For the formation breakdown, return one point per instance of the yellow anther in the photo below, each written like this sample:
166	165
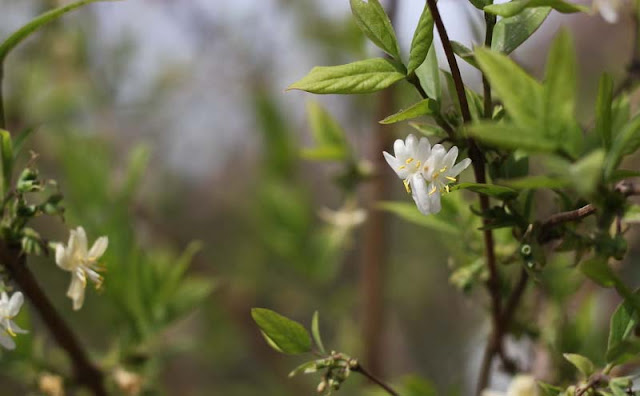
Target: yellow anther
406	186
435	175
401	167
418	164
443	169
426	168
433	190
447	188
451	178
409	160
10	331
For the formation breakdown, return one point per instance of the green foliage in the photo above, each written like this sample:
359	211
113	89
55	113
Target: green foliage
331	144
582	363
510	32
623	322
375	24
515	7
283	334
422	108
410	213
429	75
365	76
422	40
492	190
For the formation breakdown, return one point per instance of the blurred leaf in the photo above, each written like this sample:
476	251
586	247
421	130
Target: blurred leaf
625	143
189	295
465	53
410	213
422	40
365	76
520	93
632	214
621	174
279	149
429	75
559	94
548	389
583	364
623	322
375	24
510	32
492	190
480	4
511	137
623	352
604	116
586	174
286	335
324	153
325	129
138	161
537	182
19	35
422	108
304	368
515	7
416	386
315	331
20	140
597	269
6	150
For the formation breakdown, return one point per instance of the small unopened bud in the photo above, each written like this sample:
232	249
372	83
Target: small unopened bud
322	386
51	385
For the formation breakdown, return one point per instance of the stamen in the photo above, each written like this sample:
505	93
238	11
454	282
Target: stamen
10	330
447	188
409	160
426	168
401	167
418	164
451	178
433	190
406	186
443	169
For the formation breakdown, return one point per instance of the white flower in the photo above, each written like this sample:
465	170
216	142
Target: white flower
9	308
82	263
426	171
610	10
521	385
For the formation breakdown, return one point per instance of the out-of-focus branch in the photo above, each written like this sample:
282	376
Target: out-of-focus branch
359	369
85	372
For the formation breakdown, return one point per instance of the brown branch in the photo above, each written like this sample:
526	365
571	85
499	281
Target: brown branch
85	372
625	188
356	367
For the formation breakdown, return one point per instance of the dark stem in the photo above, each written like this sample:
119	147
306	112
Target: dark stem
490	21
85	372
493	283
359	369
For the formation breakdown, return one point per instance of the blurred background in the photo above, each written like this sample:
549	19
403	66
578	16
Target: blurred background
168	128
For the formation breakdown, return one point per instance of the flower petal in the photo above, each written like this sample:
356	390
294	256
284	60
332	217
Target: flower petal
76	291
7	342
17	329
424	150
399	149
98	248
15	304
608	9
63	258
395	164
459	167
80	246
434	201
450	158
420	193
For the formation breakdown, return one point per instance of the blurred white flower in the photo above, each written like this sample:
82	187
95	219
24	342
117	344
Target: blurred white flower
51	384
521	385
426	171
610	10
82	263
9	309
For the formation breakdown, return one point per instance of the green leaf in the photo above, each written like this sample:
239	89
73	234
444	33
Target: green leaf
537	182
465	53
325	129
604	113
283	334
304	368
315	331
515	7
410	213
510	32
492	190
622	323
6	150
511	137
422	40
324	153
19	35
548	389
625	143
429	75
586	174
428	129
624	351
520	93
422	108
559	94
365	76
20	140
375	24
597	269
583	364
480	4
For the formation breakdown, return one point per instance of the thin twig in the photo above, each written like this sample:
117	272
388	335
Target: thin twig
359	369
85	372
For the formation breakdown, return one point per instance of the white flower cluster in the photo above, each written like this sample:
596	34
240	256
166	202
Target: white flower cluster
427	171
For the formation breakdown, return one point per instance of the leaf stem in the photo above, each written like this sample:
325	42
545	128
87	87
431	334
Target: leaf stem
359	369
